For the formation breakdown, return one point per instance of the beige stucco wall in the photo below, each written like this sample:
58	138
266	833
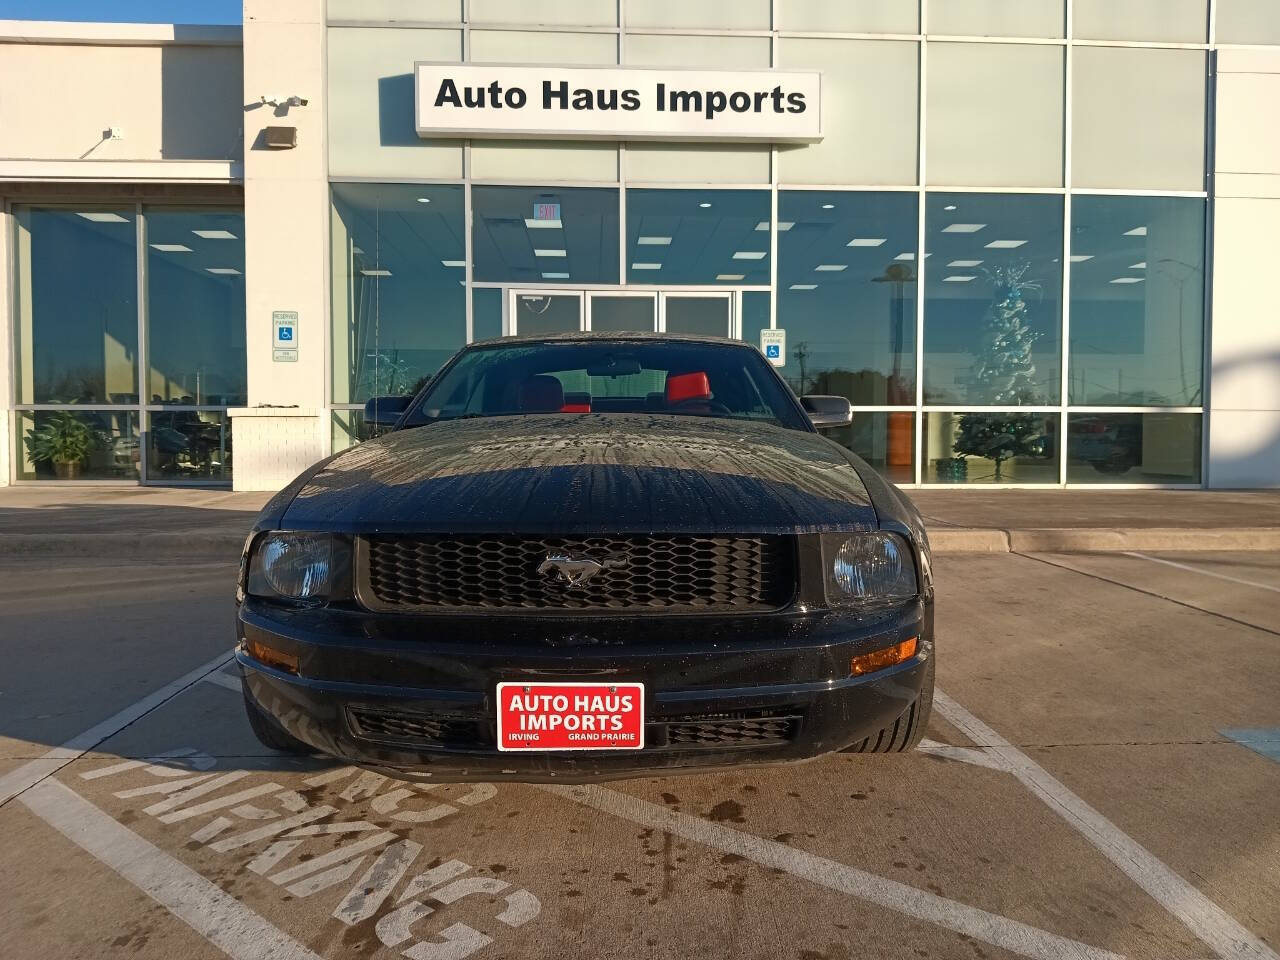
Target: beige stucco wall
1244	349
172	101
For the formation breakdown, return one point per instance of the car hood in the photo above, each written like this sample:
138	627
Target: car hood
587	473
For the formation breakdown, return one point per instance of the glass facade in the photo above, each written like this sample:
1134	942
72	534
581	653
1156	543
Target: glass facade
111	386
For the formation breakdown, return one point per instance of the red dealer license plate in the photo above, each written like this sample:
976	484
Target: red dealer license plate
570	716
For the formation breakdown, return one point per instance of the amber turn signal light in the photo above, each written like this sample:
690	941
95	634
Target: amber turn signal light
287	662
865	663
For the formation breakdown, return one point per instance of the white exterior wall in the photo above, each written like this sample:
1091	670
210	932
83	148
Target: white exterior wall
1244	348
286	244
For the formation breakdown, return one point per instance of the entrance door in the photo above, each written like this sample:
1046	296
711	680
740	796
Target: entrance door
536	312
622	311
709	314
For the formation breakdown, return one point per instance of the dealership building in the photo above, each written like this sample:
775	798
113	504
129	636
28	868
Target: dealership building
1031	241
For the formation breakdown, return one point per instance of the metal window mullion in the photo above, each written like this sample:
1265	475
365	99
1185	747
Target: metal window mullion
1207	274
469	295
921	172
140	240
621	160
773	193
1064	350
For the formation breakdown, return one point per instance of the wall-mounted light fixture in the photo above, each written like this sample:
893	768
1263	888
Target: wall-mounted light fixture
280	138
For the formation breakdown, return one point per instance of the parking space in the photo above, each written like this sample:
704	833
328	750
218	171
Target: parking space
1077	797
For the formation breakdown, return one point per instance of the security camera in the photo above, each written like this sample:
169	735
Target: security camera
276	100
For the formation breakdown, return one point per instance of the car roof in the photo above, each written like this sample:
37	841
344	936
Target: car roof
591	336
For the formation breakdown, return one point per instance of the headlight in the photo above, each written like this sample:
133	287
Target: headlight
869	567
300	566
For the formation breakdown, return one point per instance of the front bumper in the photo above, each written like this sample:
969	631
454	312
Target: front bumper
769	689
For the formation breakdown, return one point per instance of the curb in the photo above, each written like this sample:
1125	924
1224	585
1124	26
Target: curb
212	545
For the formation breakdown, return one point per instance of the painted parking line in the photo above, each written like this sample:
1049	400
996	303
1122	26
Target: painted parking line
1263	740
219	917
1203	573
1213	925
33	771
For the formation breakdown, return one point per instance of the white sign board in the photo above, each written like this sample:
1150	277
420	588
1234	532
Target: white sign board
616	103
773	344
284	339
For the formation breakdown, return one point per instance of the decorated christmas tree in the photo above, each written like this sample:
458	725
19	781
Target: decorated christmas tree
1005	373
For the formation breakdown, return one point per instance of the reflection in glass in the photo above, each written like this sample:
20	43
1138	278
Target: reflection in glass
1137	301
348	429
991	448
619	313
537	314
535	235
486	313
703	316
195	306
1133	448
76	311
993	299
77	445
399	307
698	237
885	440
755	315
188	445
846	293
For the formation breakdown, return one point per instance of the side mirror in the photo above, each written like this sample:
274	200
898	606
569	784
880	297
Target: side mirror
383	412
827	411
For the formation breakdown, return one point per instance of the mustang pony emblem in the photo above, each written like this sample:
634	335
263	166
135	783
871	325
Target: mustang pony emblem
578	570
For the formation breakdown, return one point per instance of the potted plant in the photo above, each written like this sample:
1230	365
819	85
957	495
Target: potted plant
63	440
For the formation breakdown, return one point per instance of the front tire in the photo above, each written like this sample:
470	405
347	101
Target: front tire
269	733
905	733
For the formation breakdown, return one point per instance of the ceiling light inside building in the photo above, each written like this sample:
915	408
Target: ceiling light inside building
215	234
171	247
957	278
453	263
646	266
783	225
555	276
1136	232
1005	244
949	207
654	241
538	252
831	267
729	276
376	273
424	199
905	256
227	271
104	217
1127	280
705	206
1081	257
542	224
749	254
964	263
1138	266
825	206
963	227
803	286
866	242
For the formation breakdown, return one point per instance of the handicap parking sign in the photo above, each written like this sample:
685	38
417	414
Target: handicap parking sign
773	344
286	333
773	351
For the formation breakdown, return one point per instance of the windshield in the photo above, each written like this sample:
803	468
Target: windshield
609	376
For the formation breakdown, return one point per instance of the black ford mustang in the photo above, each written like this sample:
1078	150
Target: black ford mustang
585	556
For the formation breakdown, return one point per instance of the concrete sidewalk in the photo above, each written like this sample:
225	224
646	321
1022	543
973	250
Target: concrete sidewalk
146	523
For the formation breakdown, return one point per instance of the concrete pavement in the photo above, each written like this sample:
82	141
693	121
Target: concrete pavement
141	523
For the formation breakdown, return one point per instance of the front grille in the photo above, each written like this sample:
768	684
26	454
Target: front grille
419	730
731	729
638	573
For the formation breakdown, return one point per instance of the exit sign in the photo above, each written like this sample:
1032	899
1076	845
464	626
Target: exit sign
546	211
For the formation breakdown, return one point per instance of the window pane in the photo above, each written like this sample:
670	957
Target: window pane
576	13
975	92
77	445
399	308
709	14
348	429
615	313
703	316
876	85
698	236
885	440
1176	21
1137	301
991	447
76	317
850	16
188	445
195	306
993	299
1138	118
755	315
997	18
847	293
486	313
517	236
1133	448
537	314
385	11
1248	21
